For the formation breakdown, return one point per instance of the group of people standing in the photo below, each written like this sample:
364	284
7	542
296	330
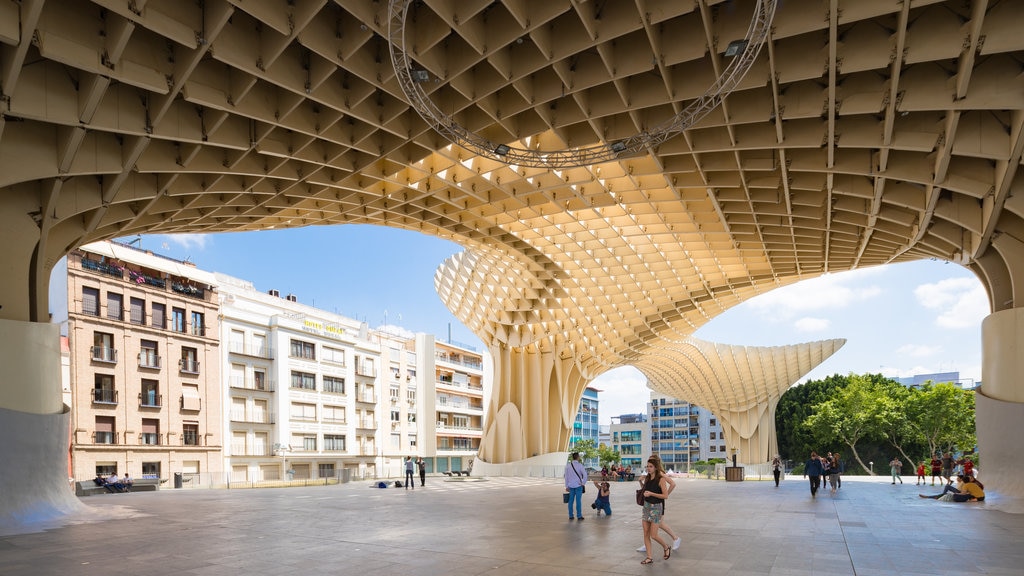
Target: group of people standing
410	466
655	488
830	467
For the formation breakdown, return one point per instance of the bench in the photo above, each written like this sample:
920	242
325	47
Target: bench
89	488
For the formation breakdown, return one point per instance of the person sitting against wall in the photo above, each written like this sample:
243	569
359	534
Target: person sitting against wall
967	490
127	482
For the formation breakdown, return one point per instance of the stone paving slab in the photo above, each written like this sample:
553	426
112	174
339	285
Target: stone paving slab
519	527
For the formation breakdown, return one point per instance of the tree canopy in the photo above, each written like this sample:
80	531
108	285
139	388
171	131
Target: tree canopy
873	418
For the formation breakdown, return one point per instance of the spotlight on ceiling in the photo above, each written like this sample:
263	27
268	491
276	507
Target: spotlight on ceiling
736	47
501	149
419	75
617	146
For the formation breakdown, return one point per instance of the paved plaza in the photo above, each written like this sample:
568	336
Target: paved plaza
518	526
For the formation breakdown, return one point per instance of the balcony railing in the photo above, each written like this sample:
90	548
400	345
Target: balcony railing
188	290
191	439
367	424
104	396
104	354
147	400
252	384
150	439
102	268
257	350
253	418
149	360
367	398
104	438
189	366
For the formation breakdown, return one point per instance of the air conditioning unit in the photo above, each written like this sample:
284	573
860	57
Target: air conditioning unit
292	298
273	292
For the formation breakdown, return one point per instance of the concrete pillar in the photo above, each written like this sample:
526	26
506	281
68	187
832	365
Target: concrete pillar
999	408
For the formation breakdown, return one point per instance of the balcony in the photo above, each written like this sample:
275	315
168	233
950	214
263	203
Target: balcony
150	439
149	359
253	384
188	366
366	370
103	268
104	438
104	354
104	396
188	290
367	398
367	424
150	400
253	417
255	350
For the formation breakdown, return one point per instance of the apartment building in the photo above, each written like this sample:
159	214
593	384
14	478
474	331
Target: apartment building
683	433
144	364
631	438
454	398
586	425
303	390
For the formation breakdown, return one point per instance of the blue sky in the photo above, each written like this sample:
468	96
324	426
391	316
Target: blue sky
898	320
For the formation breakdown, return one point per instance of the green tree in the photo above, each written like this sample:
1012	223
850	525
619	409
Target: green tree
794	438
608	455
944	416
587	449
897	425
856	413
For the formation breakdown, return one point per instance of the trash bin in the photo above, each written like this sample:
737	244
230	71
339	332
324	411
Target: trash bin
177	480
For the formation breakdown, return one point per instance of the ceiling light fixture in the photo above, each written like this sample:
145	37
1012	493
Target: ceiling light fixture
747	50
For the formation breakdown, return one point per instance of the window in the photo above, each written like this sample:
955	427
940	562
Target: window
115	305
334	442
395	416
90	301
303	380
333	413
304	442
105	469
302	411
190	434
189	360
190	399
137	311
713	449
236	342
106	433
394	393
412	440
103	347
301	349
237	377
411	417
325	470
148	355
410	395
259	346
150	432
712	422
150	469
334	384
721	448
396	441
159	318
333	355
103	389
150	395
712	435
259	379
178	319
198	324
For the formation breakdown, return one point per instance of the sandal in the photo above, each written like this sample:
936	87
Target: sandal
647	561
668	553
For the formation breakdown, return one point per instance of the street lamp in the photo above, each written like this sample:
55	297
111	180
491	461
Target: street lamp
872	465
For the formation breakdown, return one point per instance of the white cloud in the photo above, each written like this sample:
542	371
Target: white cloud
829	292
917	350
961	302
189	241
623	391
395	330
808	324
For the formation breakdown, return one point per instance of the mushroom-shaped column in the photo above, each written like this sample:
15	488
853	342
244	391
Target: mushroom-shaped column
741	385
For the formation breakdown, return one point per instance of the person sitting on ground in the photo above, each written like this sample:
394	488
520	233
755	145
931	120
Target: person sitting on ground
967	490
603	500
